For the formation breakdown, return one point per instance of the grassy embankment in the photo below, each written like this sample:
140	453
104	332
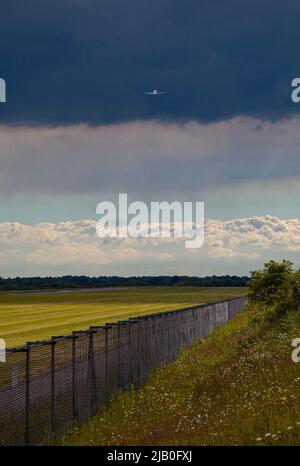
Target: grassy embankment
29	317
238	387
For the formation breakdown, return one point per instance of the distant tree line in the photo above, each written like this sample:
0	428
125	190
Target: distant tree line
77	282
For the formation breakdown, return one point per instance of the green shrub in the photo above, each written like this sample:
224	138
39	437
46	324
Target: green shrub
277	284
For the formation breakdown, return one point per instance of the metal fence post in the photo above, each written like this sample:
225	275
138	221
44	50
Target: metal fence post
130	378
74	406
132	353
146	348
106	363
118	349
92	378
27	394
138	353
53	344
107	349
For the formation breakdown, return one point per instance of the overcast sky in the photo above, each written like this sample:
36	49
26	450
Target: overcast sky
77	129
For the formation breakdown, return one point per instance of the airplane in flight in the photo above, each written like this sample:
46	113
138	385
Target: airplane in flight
155	92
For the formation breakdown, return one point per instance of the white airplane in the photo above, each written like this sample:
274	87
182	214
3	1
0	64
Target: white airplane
155	92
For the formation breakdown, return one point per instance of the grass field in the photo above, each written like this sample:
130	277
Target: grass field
238	387
36	316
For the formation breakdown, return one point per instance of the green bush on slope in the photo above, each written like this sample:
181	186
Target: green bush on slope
277	284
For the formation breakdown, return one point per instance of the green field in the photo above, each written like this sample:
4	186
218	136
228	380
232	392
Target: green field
36	316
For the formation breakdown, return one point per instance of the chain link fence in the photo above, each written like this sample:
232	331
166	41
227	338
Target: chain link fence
49	386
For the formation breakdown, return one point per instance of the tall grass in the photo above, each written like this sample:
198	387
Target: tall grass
238	387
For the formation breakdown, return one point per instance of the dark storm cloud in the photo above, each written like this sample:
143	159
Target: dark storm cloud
70	61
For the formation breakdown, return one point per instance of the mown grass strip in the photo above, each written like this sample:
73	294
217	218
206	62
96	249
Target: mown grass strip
30	317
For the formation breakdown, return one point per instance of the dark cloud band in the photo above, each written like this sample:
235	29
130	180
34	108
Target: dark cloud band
71	61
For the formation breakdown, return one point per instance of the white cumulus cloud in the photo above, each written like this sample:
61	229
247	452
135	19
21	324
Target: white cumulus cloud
231	246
